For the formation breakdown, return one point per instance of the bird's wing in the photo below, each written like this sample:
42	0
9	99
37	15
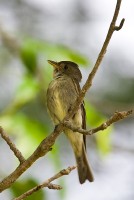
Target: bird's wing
78	89
83	121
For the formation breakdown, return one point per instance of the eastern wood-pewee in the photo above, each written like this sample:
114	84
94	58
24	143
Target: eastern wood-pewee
61	95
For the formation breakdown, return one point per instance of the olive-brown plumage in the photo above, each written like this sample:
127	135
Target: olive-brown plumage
61	95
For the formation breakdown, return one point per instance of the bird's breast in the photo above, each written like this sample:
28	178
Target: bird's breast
61	95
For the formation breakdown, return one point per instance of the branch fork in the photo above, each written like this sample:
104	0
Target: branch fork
116	117
117	28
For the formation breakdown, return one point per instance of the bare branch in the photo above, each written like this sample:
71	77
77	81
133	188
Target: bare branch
42	149
116	117
117	28
88	83
12	146
10	42
47	183
54	186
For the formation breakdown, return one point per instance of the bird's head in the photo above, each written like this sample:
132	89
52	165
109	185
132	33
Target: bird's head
69	68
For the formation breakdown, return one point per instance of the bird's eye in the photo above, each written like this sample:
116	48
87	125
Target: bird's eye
65	67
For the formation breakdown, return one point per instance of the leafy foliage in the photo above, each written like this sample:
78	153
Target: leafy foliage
32	49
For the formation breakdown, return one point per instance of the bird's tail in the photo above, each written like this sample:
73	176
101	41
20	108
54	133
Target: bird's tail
77	142
84	170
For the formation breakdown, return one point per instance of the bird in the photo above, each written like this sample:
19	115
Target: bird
62	93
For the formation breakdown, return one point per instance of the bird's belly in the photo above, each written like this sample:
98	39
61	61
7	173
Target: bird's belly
60	106
57	103
60	97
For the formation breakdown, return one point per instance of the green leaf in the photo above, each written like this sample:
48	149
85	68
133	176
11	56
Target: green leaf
55	156
26	91
28	132
94	119
20	187
103	140
35	53
28	55
70	54
32	48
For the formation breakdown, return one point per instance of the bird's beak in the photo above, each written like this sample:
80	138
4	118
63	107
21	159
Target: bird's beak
54	64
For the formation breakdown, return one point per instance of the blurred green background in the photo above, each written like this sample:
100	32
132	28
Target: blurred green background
31	32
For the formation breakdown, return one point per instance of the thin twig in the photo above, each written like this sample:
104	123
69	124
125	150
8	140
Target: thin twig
47	183
117	28
12	146
88	83
54	186
10	42
116	117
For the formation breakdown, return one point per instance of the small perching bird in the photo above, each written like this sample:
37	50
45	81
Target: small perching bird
61	95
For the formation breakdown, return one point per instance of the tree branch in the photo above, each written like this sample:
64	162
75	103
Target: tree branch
88	83
116	117
12	146
10	42
42	149
47	183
